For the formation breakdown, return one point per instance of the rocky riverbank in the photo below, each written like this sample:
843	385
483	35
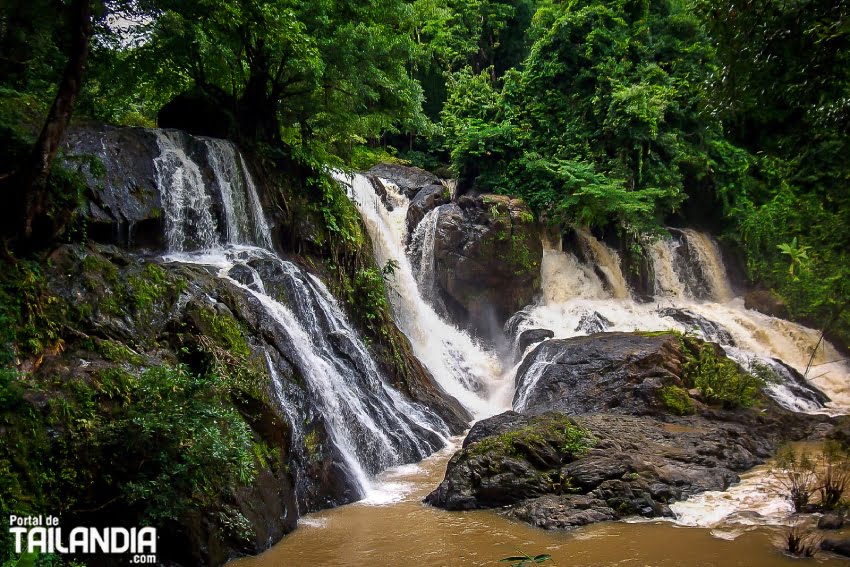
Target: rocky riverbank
612	427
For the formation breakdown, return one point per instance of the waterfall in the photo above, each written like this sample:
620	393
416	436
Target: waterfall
460	365
705	253
692	295
564	278
424	237
663	253
370	424
605	260
186	201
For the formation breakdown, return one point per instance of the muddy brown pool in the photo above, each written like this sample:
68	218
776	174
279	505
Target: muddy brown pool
394	528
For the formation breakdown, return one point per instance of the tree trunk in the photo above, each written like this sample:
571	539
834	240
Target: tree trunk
257	109
30	184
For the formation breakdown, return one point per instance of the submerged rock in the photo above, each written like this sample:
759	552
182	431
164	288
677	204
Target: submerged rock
839	546
831	521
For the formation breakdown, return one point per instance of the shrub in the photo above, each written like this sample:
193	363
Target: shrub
797	475
800	542
833	474
719	379
676	400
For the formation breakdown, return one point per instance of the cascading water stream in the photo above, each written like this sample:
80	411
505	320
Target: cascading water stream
423	239
460	365
572	296
605	260
371	425
693	295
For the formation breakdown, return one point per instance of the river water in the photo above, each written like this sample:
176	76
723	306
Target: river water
394	528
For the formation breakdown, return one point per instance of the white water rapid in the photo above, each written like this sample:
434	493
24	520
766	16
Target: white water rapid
693	295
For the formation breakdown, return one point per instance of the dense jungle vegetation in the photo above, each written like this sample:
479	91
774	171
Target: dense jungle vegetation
620	115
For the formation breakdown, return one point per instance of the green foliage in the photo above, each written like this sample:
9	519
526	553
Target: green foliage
719	379
571	439
29	315
676	400
601	124
526	560
226	331
369	297
148	287
172	439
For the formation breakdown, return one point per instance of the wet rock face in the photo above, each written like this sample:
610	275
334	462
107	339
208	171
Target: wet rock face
710	330
123	204
426	199
409	179
533	336
487	254
172	326
606	372
485	250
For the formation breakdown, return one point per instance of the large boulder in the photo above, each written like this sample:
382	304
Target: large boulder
428	198
487	255
410	180
605	372
629	466
123	204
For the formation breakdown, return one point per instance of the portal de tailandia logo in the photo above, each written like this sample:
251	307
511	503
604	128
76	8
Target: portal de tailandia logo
43	534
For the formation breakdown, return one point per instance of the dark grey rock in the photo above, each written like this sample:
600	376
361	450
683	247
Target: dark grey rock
533	336
409	179
562	511
606	372
429	197
831	521
839	546
640	460
710	330
591	323
487	255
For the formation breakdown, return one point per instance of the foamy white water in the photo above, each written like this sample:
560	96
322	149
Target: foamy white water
572	292
462	367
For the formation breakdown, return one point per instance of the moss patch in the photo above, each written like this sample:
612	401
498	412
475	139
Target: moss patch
556	430
676	400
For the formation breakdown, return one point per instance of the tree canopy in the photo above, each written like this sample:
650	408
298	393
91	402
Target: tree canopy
625	115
